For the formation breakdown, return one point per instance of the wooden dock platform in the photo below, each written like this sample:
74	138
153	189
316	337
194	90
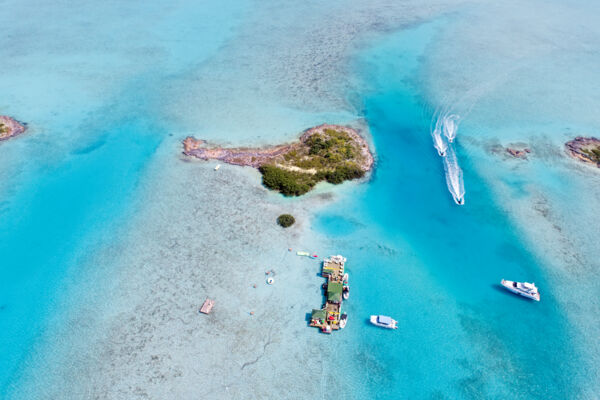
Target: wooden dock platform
327	319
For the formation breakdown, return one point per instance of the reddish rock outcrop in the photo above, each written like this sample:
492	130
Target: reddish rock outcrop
585	149
10	127
518	153
255	157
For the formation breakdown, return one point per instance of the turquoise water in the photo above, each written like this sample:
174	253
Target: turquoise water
109	89
434	266
93	97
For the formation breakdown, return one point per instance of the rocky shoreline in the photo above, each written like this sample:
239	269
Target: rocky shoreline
256	157
10	127
585	149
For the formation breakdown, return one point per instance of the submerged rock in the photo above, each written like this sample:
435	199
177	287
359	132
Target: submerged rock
10	127
518	153
585	149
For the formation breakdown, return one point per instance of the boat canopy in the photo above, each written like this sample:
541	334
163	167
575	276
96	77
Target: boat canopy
528	286
382	319
318	314
334	291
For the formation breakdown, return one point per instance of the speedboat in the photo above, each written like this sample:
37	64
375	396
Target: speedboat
384	321
524	289
345	278
217	167
343	320
458	199
450	126
439	143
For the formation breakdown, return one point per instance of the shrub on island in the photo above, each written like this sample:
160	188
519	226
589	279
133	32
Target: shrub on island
343	173
286	220
288	183
294	183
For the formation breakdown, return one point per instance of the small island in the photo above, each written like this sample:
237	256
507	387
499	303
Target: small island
285	220
10	127
585	149
331	153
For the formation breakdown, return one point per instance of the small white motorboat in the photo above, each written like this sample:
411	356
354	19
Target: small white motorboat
343	320
384	321
524	289
346	292
270	280
439	143
460	200
217	167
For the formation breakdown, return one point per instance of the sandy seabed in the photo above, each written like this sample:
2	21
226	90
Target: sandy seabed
198	233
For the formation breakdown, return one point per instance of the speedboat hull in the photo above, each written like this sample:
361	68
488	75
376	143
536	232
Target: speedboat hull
512	286
459	200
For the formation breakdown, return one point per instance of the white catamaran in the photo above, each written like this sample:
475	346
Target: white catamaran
524	289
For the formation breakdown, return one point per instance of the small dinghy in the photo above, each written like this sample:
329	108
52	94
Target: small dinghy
384	321
217	167
270	280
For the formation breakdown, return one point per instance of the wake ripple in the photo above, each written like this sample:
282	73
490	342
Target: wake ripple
447	124
454	177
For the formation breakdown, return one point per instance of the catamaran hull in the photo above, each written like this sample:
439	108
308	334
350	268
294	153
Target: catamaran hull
508	285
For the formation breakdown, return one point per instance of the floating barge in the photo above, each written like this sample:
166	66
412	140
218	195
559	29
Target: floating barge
327	319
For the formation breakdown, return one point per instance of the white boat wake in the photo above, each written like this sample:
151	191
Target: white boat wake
454	177
438	142
436	134
450	126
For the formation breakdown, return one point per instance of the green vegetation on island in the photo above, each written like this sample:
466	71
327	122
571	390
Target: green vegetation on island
331	156
10	127
331	153
285	220
593	154
586	149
